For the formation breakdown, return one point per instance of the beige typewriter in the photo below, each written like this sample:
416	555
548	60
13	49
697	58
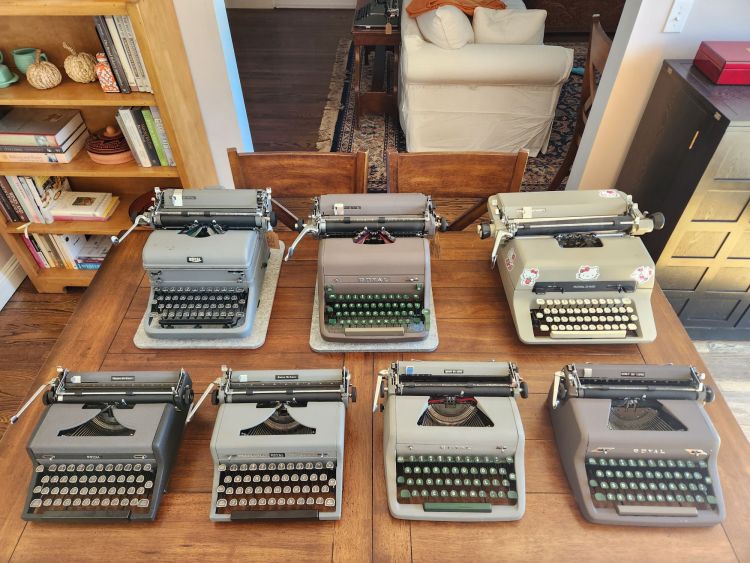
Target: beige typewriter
572	265
373	265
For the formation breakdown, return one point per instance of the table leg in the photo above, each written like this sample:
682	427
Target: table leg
356	80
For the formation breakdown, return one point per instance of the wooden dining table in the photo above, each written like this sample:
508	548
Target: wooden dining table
474	323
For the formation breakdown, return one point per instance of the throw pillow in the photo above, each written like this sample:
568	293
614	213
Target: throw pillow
509	27
447	27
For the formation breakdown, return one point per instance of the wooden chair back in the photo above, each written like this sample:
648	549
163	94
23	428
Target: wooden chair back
599	47
471	176
299	175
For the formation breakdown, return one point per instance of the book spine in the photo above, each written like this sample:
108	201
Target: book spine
63	250
33	190
140	124
109	49
35	254
88	265
5	208
13	200
61	257
20	148
163	135
46	250
154	134
20	190
133	52
120	49
138	146
128	138
26	140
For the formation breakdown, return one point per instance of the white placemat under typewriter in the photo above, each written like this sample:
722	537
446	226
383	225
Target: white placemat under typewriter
318	344
257	335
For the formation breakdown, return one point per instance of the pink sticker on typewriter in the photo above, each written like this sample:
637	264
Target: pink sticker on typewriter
642	274
588	273
529	276
610	194
510	259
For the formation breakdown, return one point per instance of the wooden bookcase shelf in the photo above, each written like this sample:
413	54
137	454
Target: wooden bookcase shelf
46	25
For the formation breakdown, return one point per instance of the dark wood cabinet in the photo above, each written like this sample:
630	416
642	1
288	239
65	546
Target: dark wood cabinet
690	159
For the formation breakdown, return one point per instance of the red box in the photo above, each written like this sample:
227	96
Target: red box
724	62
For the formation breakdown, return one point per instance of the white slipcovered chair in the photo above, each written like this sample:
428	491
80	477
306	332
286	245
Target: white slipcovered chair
480	97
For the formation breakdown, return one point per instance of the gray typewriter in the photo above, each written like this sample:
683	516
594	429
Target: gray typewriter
206	261
105	445
637	445
453	441
373	265
278	444
572	265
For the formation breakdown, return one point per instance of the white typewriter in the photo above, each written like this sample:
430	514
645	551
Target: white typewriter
453	442
573	266
373	265
206	261
278	444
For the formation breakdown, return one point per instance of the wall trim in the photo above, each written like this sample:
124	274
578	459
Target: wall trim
249	4
11	276
314	4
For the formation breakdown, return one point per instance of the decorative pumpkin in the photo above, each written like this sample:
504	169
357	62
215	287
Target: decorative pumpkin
42	74
79	66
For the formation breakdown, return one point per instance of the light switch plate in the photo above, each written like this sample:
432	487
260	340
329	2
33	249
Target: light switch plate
678	15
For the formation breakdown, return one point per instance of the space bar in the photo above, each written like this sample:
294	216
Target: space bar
86	514
588	333
375	331
197	321
631	510
457	507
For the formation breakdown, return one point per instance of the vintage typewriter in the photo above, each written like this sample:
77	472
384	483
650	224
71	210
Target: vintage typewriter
105	445
573	269
377	14
206	261
453	440
278	444
637	445
373	265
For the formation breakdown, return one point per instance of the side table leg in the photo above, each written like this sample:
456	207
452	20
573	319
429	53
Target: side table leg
356	79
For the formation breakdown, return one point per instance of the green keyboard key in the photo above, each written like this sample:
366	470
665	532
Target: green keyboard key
405	494
400	480
457	507
512	495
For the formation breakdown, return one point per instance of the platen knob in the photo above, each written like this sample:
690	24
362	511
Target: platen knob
484	230
659	220
709	394
524	390
272	218
353	394
443	224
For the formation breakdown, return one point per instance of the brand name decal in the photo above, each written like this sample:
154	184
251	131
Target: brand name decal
195	259
122	378
283	376
374	280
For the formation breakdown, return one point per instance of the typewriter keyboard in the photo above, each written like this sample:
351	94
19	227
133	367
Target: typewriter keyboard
92	490
375	310
282	486
208	306
456	483
585	318
651	487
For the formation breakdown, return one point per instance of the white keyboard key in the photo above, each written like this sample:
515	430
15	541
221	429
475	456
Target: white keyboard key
36	503
330	501
544	328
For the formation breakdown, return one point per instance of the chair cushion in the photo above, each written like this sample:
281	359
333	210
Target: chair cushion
447	27
509	27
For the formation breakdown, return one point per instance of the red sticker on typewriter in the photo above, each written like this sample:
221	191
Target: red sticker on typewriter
588	273
642	274
610	194
510	259
529	276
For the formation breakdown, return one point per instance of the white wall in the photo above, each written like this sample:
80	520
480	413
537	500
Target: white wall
11	274
265	4
637	53
208	42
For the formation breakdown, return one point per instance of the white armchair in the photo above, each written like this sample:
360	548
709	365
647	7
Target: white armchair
481	97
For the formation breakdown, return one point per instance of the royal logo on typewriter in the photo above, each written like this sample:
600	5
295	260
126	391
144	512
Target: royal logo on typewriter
587	273
195	259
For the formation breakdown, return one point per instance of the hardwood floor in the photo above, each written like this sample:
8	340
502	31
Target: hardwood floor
285	58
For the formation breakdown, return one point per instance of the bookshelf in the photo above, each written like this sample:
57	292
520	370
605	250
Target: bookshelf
45	25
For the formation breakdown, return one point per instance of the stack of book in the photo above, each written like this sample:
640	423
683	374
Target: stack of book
124	56
144	131
46	199
73	252
41	134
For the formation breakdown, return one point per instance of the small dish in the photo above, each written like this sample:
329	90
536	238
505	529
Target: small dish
9	82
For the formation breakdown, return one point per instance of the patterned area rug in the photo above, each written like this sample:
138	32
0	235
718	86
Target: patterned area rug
379	134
